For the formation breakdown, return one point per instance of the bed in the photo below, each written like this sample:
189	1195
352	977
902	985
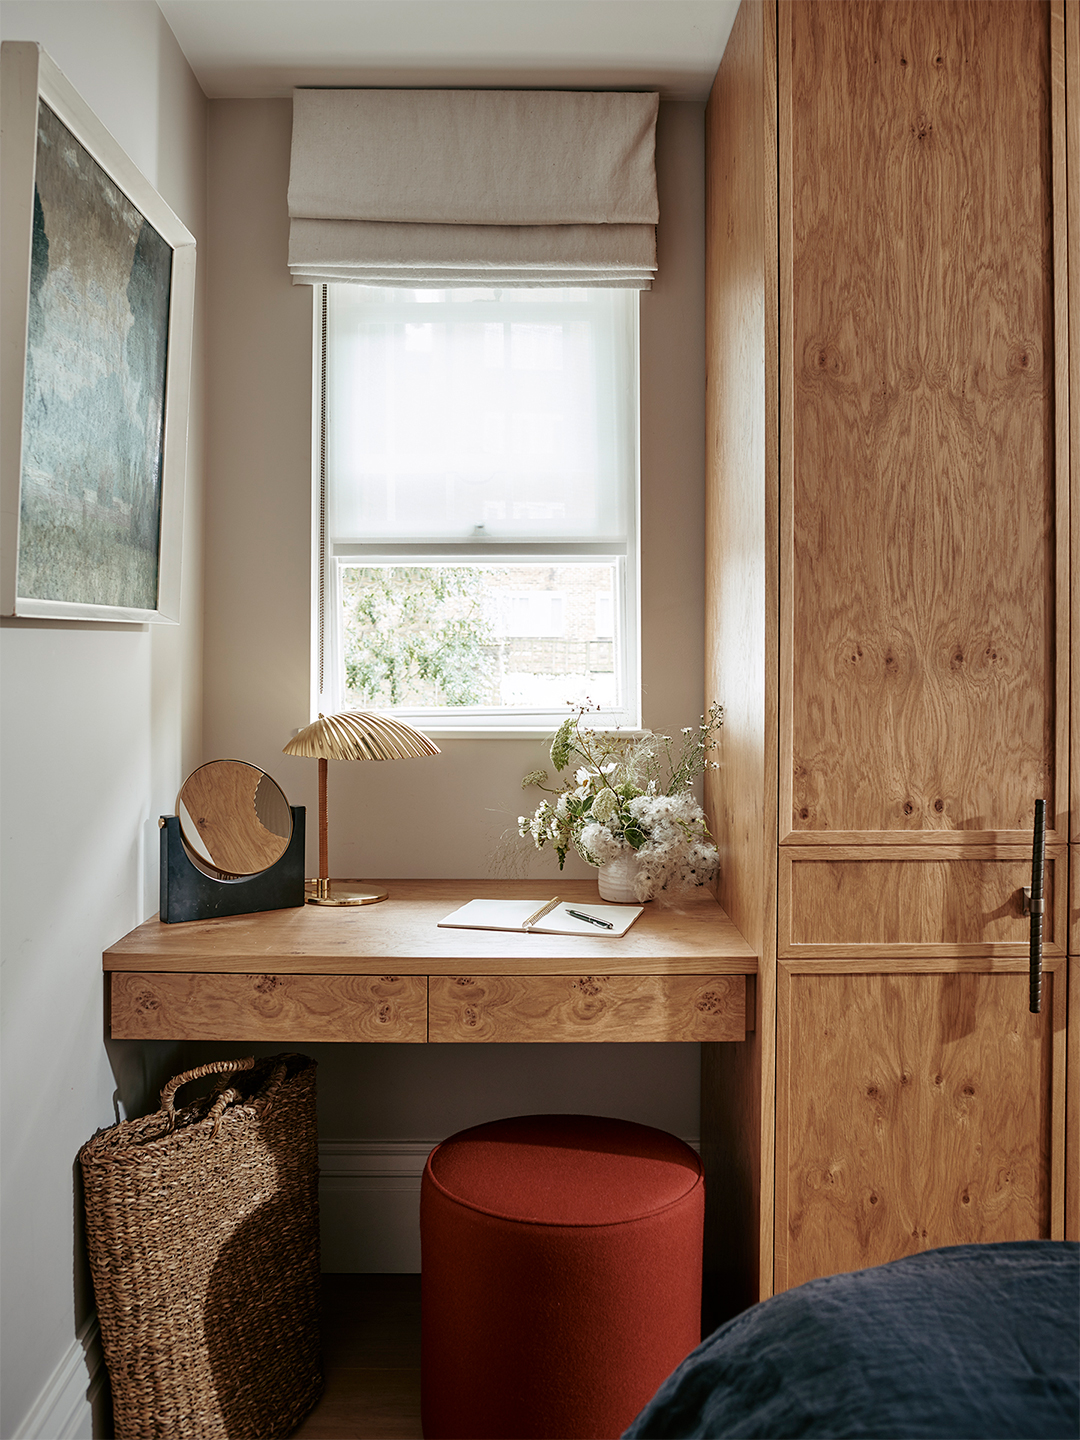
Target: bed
970	1341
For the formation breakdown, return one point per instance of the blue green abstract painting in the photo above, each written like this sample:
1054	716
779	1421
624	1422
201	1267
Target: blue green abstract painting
94	407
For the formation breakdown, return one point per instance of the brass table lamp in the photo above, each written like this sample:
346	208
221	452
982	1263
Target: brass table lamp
351	735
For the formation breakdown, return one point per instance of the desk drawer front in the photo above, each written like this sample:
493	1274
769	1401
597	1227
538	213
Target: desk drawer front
611	1008
289	1008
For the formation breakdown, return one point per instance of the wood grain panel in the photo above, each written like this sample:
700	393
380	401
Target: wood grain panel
293	1008
611	1008
738	441
916	1111
926	677
1072	151
741	600
1065	368
955	904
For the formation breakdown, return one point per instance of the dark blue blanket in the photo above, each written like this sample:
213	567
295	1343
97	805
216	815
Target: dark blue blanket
968	1342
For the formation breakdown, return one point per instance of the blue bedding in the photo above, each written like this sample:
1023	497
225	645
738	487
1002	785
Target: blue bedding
968	1342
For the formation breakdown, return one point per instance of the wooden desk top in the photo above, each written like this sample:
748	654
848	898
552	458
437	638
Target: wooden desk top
400	934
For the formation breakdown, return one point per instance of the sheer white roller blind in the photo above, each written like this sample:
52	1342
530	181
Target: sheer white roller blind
412	188
470	418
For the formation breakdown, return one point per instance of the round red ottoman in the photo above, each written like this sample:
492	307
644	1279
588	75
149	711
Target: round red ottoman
560	1275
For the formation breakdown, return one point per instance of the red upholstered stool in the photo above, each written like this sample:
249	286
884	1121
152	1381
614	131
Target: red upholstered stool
561	1276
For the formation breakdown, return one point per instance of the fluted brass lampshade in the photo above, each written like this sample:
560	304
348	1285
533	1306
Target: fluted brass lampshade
351	735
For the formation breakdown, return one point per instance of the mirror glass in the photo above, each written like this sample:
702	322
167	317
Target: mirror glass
234	819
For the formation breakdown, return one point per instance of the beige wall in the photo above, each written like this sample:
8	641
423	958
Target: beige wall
99	723
444	816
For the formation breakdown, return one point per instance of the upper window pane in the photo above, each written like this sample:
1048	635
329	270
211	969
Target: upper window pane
479	415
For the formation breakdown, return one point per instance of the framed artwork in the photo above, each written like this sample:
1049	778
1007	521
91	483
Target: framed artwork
97	281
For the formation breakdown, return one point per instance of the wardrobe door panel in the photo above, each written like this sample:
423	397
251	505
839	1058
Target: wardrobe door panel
953	902
915	1110
924	681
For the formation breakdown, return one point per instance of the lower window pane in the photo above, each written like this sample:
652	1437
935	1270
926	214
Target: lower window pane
496	636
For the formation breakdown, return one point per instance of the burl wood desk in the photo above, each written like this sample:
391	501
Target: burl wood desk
385	972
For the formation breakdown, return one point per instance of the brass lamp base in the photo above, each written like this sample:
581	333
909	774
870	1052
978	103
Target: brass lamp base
340	892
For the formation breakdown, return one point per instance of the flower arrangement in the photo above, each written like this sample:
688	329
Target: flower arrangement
629	796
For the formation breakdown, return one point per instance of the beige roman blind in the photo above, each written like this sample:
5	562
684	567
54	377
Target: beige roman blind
418	188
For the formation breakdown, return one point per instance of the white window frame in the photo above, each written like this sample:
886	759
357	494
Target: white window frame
462	722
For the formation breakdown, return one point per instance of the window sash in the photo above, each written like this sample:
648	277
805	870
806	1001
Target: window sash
618	542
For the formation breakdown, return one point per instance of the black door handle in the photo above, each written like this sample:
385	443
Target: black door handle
1038	905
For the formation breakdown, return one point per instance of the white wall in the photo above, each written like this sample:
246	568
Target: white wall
99	724
444	816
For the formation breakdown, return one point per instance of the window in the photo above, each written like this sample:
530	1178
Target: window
478	504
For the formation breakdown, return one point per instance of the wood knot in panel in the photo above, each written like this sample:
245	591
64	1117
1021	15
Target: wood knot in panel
1022	360
825	359
710	1003
266	984
587	985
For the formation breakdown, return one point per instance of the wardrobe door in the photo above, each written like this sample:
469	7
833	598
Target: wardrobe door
914	1109
924	625
924	617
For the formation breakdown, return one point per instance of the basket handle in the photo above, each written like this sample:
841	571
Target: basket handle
216	1067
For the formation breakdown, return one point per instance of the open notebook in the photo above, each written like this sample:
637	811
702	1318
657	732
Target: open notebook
555	917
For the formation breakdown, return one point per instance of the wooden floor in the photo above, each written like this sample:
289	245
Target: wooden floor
371	1360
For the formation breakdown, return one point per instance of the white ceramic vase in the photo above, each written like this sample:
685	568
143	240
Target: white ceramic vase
616	878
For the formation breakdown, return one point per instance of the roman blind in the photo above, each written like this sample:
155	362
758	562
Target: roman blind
491	188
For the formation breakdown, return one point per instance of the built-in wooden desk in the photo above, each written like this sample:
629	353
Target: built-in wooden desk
385	972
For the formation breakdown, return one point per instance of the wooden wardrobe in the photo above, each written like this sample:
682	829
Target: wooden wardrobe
891	214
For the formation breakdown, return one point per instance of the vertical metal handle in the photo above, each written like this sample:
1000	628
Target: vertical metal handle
1038	905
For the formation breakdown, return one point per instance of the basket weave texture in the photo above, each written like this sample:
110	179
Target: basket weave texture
203	1239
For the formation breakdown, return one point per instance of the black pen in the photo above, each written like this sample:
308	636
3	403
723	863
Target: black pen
580	915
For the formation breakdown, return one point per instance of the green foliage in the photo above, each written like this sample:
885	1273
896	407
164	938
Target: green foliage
416	635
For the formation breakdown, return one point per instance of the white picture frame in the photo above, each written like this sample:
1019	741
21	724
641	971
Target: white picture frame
87	553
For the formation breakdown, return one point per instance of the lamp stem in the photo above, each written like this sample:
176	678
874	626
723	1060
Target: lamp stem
324	848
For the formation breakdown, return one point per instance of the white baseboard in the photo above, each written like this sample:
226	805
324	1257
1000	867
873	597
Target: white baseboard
369	1203
65	1408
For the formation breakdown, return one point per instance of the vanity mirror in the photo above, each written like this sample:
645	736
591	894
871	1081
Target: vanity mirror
234	846
234	819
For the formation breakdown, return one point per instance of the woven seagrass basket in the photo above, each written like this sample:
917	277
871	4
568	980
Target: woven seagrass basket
203	1237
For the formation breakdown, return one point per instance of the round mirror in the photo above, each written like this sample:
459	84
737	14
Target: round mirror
233	818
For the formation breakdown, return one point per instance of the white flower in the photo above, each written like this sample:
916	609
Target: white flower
583	776
598	844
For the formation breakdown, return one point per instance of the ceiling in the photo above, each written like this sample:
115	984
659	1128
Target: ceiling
250	49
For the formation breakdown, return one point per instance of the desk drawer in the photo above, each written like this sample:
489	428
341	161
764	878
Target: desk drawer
291	1008
611	1008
